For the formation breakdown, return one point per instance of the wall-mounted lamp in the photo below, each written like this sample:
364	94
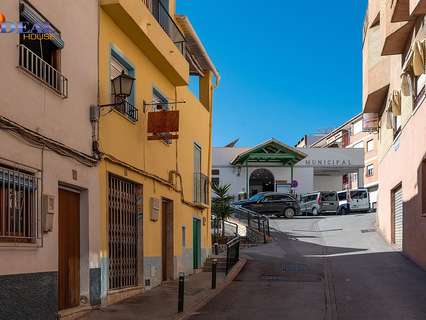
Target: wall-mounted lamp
122	87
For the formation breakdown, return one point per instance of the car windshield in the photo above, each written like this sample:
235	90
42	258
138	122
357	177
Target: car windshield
256	197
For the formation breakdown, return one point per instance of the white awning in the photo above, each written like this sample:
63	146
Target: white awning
419	58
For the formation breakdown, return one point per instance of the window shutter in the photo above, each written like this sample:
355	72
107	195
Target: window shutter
35	18
117	68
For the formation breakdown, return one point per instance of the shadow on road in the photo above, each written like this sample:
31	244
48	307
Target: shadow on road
298	277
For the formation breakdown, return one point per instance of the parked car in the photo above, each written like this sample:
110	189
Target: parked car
272	203
357	200
320	202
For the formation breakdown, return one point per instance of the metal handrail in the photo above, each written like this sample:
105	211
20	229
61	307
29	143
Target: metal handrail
255	221
219	225
43	71
161	14
232	253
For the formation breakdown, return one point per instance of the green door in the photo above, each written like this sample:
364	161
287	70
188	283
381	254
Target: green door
196	243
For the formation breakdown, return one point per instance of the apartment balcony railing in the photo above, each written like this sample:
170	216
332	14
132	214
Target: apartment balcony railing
201	188
42	71
128	110
161	14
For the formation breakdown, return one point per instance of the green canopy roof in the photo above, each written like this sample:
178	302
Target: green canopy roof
271	151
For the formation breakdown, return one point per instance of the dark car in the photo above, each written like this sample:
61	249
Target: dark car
272	203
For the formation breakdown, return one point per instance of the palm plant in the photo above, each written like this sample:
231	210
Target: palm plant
221	204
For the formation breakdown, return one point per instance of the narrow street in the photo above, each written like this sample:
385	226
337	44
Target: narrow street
335	267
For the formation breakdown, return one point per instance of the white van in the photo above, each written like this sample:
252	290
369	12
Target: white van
356	200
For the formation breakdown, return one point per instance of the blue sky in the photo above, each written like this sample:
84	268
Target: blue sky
288	67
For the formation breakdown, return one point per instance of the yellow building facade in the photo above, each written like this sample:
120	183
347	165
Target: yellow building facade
154	184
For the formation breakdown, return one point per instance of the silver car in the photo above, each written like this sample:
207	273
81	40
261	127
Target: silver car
320	202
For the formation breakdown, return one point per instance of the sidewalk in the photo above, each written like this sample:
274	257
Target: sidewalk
161	302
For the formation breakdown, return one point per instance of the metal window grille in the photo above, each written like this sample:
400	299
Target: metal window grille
19	206
123	233
41	70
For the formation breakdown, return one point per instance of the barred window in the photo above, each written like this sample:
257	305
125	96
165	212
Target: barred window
19	205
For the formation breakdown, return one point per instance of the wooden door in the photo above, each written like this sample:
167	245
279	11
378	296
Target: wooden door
167	239
196	243
69	249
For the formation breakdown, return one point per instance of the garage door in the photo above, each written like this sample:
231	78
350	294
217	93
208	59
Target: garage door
398	217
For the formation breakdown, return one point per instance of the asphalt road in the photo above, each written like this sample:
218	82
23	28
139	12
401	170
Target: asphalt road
335	267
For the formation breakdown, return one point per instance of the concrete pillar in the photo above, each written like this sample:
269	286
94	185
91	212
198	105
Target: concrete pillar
206	90
361	178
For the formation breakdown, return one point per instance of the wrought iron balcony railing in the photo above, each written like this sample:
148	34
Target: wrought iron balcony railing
161	14
201	188
41	70
128	110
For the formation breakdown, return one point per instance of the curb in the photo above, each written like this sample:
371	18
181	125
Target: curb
235	271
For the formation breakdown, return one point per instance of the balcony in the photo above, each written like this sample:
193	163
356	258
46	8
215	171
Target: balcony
398	26
376	86
161	14
42	71
201	189
372	15
154	31
128	110
400	10
417	7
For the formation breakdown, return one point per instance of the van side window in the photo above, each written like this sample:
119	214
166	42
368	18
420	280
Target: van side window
342	196
329	196
358	195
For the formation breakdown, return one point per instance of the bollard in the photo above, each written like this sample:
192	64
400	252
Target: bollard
216	248
181	291
214	270
264	233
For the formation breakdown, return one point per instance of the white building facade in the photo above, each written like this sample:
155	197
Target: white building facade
266	167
